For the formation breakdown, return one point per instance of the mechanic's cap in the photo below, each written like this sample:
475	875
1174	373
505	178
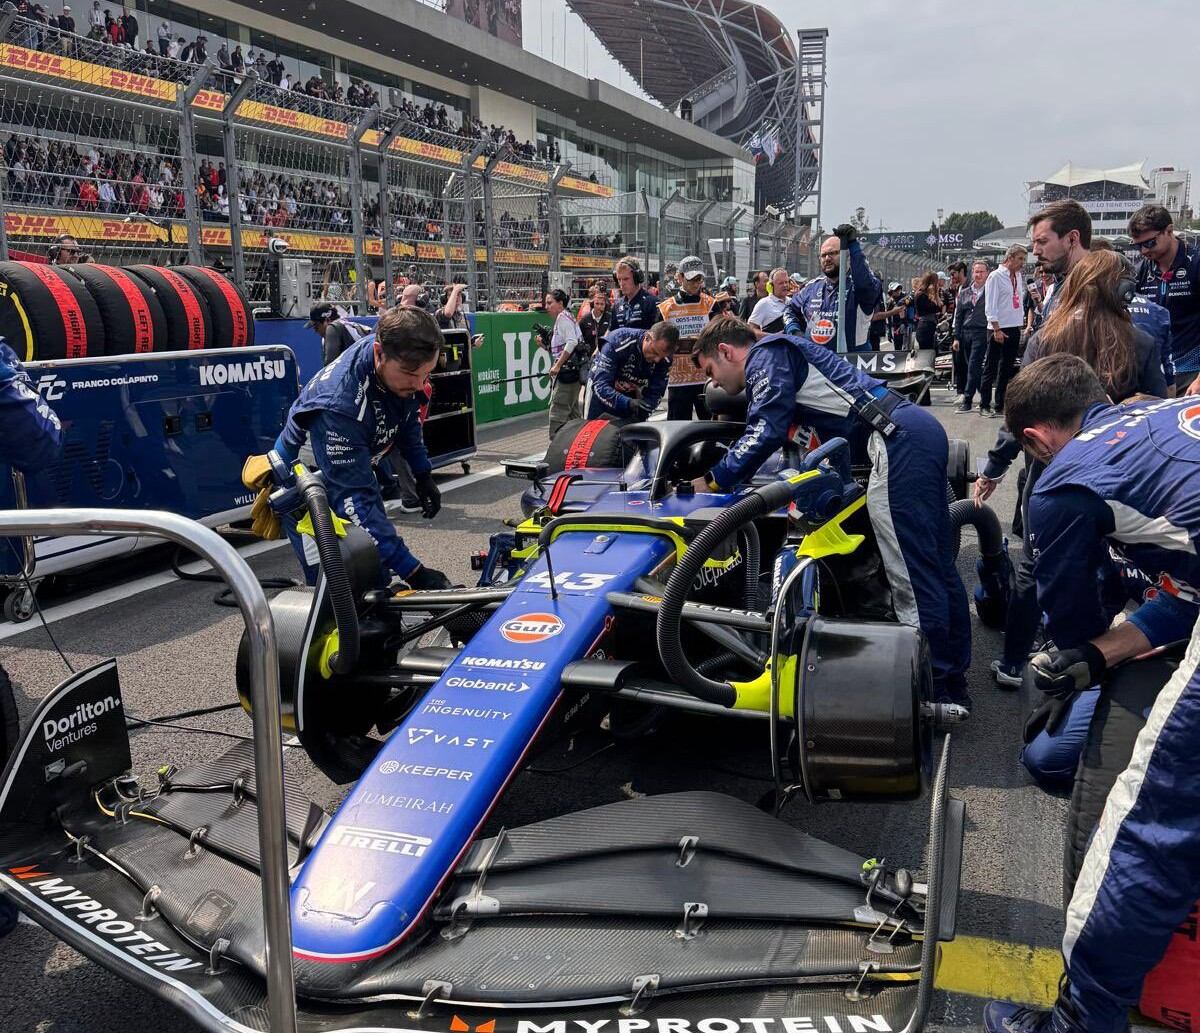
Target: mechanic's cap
894	285
729	281
797	279
942	276
690	267
321	313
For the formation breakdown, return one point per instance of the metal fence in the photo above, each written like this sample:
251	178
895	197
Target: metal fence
149	159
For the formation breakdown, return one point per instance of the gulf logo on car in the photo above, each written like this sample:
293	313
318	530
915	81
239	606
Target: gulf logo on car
530	628
1189	421
822	331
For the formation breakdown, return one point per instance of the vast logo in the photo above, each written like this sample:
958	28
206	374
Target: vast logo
822	331
530	628
416	735
1189	421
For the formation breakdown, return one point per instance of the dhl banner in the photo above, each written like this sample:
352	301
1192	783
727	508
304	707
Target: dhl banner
55	66
117	231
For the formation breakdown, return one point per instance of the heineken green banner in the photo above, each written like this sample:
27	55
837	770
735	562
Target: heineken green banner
510	370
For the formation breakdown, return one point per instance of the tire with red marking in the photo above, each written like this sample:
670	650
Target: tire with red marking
47	314
232	323
189	321
586	443
133	318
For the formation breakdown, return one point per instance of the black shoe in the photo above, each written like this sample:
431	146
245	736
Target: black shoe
964	408
426	579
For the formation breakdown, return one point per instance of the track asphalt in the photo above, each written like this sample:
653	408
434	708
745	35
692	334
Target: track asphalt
176	652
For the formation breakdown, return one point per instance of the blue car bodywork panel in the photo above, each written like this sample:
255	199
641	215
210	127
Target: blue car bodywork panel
401	831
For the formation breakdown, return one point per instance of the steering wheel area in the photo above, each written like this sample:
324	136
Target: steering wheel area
686	448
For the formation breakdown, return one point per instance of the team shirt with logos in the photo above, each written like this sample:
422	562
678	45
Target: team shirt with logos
1178	291
690	314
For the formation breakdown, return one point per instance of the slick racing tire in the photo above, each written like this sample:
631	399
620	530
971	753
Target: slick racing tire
958	468
189	322
47	314
232	322
10	722
133	318
1119	717
586	443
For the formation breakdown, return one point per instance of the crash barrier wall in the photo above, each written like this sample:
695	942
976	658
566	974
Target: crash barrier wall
140	113
76	311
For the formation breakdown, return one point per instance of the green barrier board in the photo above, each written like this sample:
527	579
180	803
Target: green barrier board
510	369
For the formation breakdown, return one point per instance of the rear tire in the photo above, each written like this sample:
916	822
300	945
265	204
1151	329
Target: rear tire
232	321
133	318
958	467
48	314
189	322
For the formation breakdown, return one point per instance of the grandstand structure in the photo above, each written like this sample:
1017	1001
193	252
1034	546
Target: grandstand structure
379	144
1112	195
732	68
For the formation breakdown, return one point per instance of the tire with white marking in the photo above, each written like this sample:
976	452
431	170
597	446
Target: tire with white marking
47	314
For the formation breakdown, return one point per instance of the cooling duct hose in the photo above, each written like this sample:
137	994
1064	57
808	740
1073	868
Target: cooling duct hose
993	567
752	557
985	522
333	567
758	503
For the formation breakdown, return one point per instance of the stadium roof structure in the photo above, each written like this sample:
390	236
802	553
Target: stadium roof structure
733	60
1071	175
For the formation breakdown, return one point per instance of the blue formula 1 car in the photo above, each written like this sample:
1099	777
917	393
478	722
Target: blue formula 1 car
689	912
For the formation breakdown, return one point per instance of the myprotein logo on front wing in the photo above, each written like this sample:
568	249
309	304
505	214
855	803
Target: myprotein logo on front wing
531	628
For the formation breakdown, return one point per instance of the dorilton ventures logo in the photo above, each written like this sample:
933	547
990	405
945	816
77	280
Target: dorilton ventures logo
78	724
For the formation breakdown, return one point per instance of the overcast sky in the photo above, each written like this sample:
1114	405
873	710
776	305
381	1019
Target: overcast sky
953	104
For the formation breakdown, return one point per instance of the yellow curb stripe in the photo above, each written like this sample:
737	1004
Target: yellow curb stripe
1015	972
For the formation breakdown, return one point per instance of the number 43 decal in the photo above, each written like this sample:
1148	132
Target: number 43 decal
569	581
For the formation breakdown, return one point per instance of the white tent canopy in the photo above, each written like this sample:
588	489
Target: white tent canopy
1072	175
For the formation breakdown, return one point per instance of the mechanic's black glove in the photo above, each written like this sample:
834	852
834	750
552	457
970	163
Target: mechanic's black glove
845	233
426	579
430	496
1061	672
642	407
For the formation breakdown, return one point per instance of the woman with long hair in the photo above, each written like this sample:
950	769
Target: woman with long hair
927	304
1088	318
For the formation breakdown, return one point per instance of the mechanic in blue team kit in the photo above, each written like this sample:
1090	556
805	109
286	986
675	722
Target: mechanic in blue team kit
1169	274
353	413
1124	479
792	382
629	376
1090	320
636	307
30	439
813	310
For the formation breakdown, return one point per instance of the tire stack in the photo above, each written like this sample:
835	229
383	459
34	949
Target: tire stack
79	311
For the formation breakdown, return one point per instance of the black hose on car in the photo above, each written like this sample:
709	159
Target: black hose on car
333	567
985	522
758	503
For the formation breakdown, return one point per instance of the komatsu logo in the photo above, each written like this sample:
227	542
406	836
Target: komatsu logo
242	372
782	1024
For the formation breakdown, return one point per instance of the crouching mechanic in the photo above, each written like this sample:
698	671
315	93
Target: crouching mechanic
1125	478
30	440
630	374
353	413
790	382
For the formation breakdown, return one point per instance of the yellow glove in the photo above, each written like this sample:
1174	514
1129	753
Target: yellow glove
264	522
256	472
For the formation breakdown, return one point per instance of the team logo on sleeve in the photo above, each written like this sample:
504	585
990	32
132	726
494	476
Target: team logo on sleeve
1189	421
822	331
